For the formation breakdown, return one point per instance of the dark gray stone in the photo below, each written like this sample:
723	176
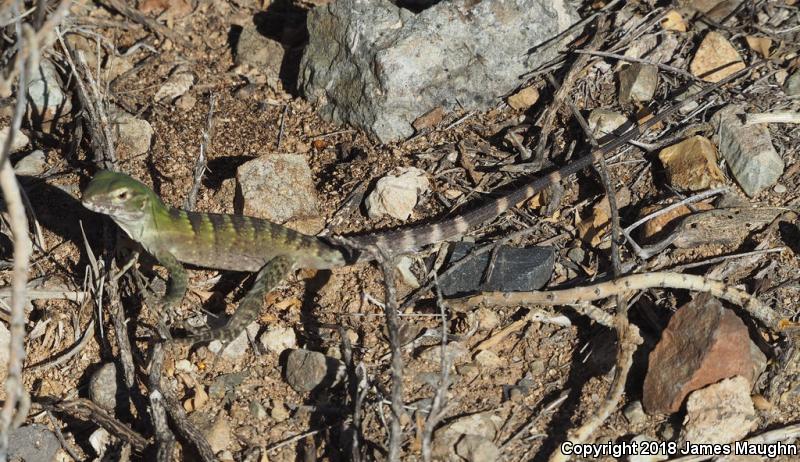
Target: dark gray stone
379	67
309	370
515	270
103	386
32	443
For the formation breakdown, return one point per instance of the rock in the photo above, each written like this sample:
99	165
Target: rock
524	98
103	387
489	360
603	122
134	136
720	413
280	188
477	449
748	150
32	443
20	139
715	52
641	439
186	102
514	270
168	10
637	83
673	21
403	267
792	85
219	434
634	413
482	425
260	52
691	105
309	370
99	441
428	120
379	67
487	318
279	411
257	410
702	344
237	347
456	353
278	339
178	83
692	164
47	101
396	194
33	164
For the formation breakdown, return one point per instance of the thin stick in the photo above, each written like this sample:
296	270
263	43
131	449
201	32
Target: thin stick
200	164
631	59
13	410
280	130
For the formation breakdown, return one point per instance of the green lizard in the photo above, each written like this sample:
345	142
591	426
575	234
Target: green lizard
240	243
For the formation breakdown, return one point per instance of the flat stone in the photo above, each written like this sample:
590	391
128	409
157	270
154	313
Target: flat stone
278	411
457	353
489	360
310	370
32	443
603	122
103	387
280	188
514	270
715	51
219	433
46	100
278	339
719	413
33	164
379	67
747	149
483	425
261	52
178	83
477	449
692	164
792	85
524	98
637	83
702	344
20	139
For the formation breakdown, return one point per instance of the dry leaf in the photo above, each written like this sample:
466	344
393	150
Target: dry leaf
760	45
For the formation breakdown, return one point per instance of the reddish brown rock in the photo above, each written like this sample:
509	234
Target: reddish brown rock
703	344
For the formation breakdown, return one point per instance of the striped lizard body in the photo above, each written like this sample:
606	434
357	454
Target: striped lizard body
240	243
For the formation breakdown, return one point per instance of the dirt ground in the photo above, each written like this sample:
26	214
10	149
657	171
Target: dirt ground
541	363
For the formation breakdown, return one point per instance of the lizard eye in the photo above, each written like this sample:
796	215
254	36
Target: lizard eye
122	195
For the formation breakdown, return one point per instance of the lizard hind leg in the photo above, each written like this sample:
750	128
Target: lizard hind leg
267	278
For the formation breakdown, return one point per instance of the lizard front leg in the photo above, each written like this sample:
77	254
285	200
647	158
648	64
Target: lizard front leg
178	281
268	277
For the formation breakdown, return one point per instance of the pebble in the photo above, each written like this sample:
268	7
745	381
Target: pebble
219	435
176	85
46	100
278	339
692	164
32	443
702	344
134	135
487	318
103	386
719	413
456	353
20	139
33	164
792	84
307	370
604	122
779	188
397	194
489	360
714	52
257	410
637	83
483	425
524	98
278	411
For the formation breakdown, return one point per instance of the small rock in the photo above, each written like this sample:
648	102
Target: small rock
184	365
514	270
487	318
761	403
166	10
489	360
692	164
524	98
637	83
133	135
186	102
178	83
257	410
219	435
483	425
468	370
237	347
477	449
33	164
792	85
279	411
691	105
702	344
46	99
280	188
278	339
396	195
308	370
20	139
198	401
603	122
748	150
719	413
456	353
428	120
32	443
641	439
634	413
260	52
715	51
226	384
99	441
673	21
103	386
779	189
403	267
577	255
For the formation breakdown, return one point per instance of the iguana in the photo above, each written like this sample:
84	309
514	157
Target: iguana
241	243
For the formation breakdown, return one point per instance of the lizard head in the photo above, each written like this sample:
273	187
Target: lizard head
119	196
